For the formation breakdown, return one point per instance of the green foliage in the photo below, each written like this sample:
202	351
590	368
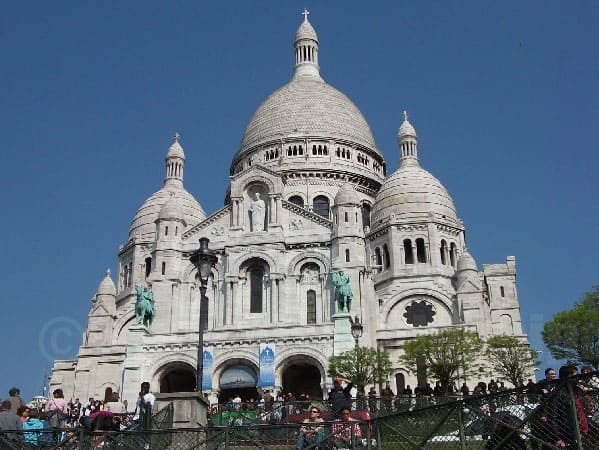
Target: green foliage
572	335
362	365
511	358
445	353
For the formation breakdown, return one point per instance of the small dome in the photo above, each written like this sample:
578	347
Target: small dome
306	31
466	262
143	223
175	150
171	209
347	195
106	287
406	128
412	193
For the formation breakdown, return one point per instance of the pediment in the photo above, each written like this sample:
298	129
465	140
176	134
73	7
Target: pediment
470	284
252	175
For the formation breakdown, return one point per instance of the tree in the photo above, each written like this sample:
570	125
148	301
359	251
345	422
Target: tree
362	365
511	358
445	353
572	335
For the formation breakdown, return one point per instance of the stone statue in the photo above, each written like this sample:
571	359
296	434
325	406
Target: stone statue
343	293
258	212
144	306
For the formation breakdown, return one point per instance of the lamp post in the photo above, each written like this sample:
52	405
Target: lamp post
204	260
356	329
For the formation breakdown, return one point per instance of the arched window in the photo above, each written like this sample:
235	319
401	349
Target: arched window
386	256
296	200
378	257
346	217
409	254
320	205
420	250
452	254
443	252
125	277
256	288
311	306
163	268
347	255
365	215
502	291
148	266
166	230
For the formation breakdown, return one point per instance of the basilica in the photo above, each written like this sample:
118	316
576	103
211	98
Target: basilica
309	201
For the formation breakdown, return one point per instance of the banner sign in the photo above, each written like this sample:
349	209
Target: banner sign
267	365
208	357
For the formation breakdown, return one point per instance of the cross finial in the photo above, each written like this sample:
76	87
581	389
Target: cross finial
305	14
405	116
177	136
107	272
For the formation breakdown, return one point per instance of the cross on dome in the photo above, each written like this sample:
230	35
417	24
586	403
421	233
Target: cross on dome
405	116
176	137
305	14
107	272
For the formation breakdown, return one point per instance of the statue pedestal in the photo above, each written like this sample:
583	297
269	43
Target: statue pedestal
189	410
342	340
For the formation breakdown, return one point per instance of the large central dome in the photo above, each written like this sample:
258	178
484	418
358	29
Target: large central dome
306	107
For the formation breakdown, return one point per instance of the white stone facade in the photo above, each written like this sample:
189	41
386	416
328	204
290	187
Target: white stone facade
311	156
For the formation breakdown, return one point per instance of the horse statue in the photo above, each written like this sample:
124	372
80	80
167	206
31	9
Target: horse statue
144	306
343	293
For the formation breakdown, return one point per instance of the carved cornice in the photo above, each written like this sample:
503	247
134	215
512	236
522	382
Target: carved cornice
448	229
308	245
206	222
411	227
313	217
377	234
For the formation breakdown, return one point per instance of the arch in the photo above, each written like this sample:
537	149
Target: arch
443	252
161	365
410	294
420	250
453	257
177	377
507	324
386	256
298	262
378	257
400	383
366	209
296	200
408	252
237	265
122	325
300	356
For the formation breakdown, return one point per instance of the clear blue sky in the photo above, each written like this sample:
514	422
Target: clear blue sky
504	96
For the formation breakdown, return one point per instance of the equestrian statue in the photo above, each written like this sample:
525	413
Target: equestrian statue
343	293
144	306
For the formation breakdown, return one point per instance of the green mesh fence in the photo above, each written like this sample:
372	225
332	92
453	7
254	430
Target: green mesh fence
565	416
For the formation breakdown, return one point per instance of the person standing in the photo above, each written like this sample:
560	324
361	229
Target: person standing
9	421
340	397
143	408
56	410
15	399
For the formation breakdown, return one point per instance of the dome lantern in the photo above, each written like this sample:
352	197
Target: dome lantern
175	161
408	142
306	49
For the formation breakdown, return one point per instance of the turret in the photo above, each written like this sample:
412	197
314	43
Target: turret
306	49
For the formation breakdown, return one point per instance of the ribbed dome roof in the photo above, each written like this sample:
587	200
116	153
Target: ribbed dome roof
412	192
106	286
171	209
306	31
143	222
175	150
307	106
466	262
346	195
406	128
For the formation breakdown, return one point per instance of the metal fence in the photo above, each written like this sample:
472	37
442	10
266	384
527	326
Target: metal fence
567	416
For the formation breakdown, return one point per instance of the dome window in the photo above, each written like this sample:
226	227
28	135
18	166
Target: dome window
346	217
365	215
443	252
321	206
163	268
166	230
408	252
386	256
502	291
420	250
452	254
378	257
296	200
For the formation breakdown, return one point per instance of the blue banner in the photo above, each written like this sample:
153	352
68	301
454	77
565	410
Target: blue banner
207	372
267	365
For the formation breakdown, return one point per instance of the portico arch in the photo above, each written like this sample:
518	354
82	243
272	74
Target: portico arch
302	374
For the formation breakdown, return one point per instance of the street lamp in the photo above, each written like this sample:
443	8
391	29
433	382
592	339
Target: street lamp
356	329
204	260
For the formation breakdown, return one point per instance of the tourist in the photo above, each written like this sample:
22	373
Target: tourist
143	408
372	401
387	396
23	413
33	429
114	405
310	433
339	396
15	399
464	390
547	385
531	389
56	410
8	419
407	391
345	430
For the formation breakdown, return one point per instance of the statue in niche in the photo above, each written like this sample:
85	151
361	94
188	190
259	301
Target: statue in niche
258	213
144	306
310	274
343	293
